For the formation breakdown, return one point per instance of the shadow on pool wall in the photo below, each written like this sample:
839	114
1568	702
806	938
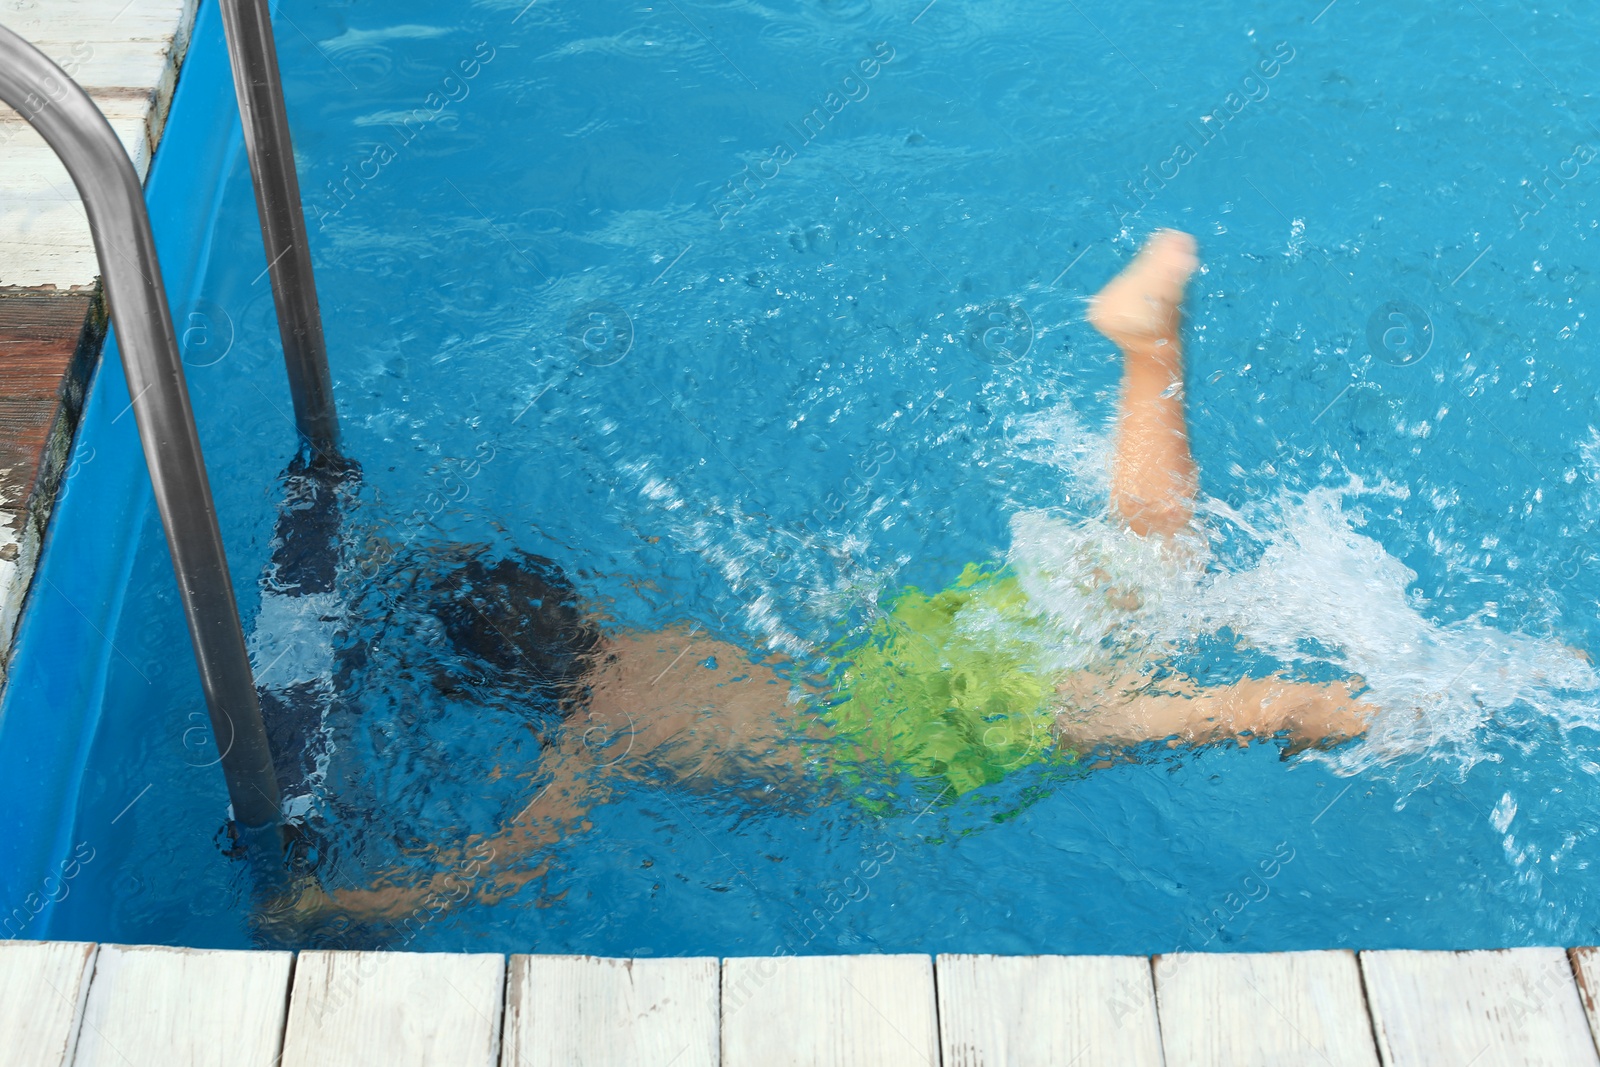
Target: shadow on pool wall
811	372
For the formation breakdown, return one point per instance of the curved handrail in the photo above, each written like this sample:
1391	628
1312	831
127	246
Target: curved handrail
73	126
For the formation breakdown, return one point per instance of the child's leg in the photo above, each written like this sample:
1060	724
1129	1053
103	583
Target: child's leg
1153	483
1153	476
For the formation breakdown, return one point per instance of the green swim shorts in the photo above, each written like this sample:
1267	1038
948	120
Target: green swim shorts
947	689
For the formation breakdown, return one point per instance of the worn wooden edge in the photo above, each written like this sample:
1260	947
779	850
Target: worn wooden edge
91	960
1585	961
1366	1006
34	327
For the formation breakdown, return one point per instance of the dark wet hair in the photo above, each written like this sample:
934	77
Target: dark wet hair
517	616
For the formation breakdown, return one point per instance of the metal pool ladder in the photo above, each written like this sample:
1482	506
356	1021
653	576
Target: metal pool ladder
113	198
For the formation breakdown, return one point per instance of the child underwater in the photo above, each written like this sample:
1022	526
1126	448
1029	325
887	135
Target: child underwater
945	693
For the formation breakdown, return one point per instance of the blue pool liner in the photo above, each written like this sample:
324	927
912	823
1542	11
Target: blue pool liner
54	699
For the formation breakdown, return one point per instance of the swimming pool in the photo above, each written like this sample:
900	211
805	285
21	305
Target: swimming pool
750	317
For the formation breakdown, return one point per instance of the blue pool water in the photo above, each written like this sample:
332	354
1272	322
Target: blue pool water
750	315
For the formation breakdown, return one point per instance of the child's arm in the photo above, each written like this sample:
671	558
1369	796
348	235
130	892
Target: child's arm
1132	709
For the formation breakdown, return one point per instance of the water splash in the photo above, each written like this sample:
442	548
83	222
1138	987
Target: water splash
1296	580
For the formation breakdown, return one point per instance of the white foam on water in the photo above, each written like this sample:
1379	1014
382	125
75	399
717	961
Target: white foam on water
1296	578
727	543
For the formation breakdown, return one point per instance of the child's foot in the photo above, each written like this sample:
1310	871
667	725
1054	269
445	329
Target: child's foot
1139	307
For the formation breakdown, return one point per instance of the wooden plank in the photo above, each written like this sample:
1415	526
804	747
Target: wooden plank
42	986
44	231
829	1011
1263	1009
1046	1011
395	1009
1510	1008
30	169
50	246
153	1007
126	54
576	1011
41	331
100	20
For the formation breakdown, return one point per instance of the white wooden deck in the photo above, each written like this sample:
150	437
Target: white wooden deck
127	55
67	1003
